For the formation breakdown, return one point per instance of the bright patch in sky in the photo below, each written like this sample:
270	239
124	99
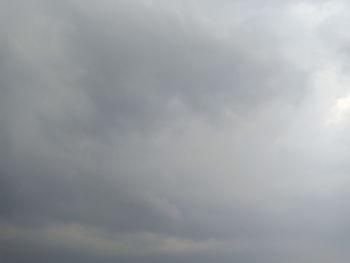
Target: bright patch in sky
339	111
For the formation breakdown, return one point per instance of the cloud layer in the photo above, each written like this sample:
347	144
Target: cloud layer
174	131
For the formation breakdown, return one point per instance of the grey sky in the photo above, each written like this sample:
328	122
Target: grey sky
174	131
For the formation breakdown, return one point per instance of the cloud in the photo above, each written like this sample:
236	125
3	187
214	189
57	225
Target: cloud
173	131
97	240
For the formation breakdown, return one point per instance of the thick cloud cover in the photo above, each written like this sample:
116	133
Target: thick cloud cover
174	131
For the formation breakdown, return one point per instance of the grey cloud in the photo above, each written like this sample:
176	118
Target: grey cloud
141	118
147	66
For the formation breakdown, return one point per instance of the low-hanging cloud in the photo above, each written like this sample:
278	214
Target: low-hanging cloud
169	131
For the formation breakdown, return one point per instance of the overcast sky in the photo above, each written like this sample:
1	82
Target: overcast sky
174	131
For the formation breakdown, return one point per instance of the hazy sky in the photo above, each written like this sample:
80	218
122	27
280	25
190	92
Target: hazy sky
174	131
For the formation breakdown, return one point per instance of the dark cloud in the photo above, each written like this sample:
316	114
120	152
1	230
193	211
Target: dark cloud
157	131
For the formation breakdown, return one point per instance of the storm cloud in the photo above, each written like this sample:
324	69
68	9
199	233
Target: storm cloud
174	131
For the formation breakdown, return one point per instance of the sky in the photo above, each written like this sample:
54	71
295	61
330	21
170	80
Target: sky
174	131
